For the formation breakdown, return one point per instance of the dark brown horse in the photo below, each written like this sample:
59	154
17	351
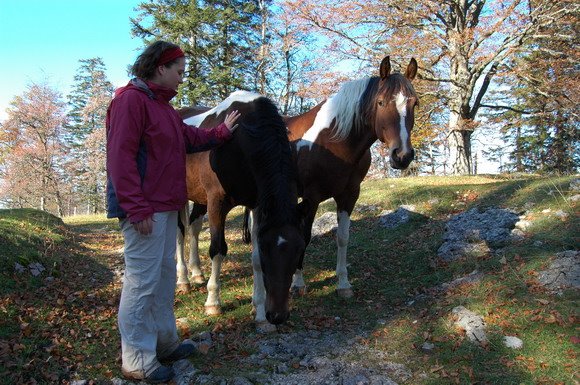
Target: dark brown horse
331	145
255	170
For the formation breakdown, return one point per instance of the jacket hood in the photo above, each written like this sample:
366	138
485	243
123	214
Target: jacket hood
153	91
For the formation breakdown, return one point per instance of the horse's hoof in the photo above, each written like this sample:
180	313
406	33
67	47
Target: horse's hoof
345	293
265	327
297	291
213	310
198	279
183	288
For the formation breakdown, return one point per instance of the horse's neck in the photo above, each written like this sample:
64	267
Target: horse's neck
298	125
350	149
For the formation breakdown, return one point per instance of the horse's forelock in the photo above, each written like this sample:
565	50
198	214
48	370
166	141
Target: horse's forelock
395	84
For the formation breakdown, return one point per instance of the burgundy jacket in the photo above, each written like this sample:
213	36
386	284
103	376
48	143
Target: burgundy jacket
146	145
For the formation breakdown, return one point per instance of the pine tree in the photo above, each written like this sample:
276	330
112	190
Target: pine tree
220	38
541	99
88	101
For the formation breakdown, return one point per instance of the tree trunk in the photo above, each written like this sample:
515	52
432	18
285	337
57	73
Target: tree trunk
459	143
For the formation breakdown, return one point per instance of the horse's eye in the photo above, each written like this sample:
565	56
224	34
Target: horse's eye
381	102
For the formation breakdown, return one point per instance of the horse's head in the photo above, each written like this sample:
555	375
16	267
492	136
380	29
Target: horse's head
281	249
280	252
394	105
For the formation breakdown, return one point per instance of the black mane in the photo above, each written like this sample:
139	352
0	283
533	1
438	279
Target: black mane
271	163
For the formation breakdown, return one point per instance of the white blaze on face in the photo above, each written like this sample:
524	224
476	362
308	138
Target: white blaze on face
401	103
238	96
281	241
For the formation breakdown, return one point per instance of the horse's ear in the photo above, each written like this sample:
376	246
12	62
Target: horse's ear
411	71
385	68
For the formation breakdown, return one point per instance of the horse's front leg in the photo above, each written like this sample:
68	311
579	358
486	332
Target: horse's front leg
344	206
213	304
298	286
183	285
259	290
344	288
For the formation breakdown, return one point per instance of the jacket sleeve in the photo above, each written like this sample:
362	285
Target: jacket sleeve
204	139
124	130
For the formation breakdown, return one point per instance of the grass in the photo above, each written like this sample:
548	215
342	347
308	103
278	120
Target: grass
66	328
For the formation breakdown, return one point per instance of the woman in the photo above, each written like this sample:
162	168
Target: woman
146	146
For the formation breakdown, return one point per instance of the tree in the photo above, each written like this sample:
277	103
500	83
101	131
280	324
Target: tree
220	38
33	146
88	102
460	43
539	98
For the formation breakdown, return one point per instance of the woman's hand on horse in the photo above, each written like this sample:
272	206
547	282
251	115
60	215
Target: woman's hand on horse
231	119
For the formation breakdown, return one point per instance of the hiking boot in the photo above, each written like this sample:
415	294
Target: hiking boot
159	375
184	350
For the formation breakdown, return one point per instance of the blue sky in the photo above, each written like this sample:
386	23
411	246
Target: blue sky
43	41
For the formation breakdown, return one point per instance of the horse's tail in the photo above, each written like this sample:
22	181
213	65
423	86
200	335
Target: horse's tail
247	235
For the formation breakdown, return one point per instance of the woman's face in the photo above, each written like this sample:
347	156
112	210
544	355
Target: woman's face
172	76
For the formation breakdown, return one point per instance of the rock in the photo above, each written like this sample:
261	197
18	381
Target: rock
473	277
184	372
240	381
473	233
472	323
324	224
563	273
428	347
282	368
562	215
513	342
358	379
19	268
390	219
523	224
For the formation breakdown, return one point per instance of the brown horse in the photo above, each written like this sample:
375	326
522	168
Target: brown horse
253	169
331	145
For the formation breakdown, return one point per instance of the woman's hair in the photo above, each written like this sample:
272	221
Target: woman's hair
146	63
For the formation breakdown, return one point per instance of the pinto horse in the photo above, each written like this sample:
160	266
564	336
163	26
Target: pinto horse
331	145
253	169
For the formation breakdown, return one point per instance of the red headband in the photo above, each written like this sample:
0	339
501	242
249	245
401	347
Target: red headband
169	55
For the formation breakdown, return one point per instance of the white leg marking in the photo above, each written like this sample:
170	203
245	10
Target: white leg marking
298	279
213	284
342	243
259	293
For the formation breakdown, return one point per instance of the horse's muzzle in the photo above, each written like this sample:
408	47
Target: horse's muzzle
276	318
401	161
